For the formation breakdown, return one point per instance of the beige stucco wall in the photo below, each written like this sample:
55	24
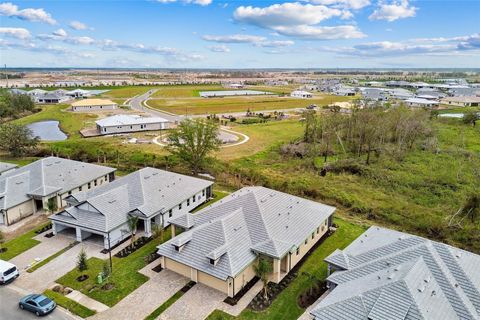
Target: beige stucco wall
20	211
243	278
213	282
177	267
303	248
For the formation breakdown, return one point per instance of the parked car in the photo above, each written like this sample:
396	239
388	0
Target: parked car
38	304
8	272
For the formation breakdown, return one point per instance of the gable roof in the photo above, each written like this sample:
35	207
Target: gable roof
250	221
393	275
45	177
145	193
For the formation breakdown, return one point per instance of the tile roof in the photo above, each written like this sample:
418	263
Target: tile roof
92	102
249	221
4	166
387	274
44	177
145	193
127	119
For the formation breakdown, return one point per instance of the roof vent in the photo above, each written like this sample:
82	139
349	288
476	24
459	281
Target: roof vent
421	289
458	255
112	201
427	280
378	277
434	293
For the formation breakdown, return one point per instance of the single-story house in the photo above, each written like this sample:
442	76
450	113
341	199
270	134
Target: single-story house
122	123
463	101
374	94
7	167
423	103
222	242
51	98
387	274
464	92
29	189
301	94
344	91
153	195
93	105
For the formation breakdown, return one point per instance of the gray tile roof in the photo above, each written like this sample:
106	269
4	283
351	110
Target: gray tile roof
44	177
387	274
4	166
253	219
145	193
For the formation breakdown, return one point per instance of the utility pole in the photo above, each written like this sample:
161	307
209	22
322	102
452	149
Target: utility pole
110	253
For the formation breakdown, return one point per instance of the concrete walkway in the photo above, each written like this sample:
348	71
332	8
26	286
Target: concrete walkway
244	301
87	301
145	299
196	304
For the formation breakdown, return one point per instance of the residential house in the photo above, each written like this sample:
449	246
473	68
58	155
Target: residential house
123	123
387	274
51	98
372	94
153	195
93	105
29	189
464	92
301	94
421	103
462	101
221	243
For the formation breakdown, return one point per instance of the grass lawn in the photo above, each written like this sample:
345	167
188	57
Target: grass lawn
238	104
154	315
184	91
53	256
124	276
217	195
285	306
72	306
20	244
126	91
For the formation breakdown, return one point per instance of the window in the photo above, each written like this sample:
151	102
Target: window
89	185
188	202
193	199
203	193
170	213
79	188
318	230
212	261
180	206
298	251
306	241
95	182
69	193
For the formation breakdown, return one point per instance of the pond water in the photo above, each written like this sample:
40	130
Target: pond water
47	131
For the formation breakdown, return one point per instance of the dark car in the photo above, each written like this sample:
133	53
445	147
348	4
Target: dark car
38	304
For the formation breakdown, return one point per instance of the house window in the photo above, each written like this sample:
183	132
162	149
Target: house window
306	241
203	193
89	185
79	188
69	193
180	206
298	251
95	182
188	202
193	199
313	235
170	213
318	230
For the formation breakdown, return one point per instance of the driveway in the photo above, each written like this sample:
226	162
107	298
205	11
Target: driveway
144	300
196	304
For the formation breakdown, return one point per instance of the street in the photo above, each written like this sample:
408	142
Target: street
9	309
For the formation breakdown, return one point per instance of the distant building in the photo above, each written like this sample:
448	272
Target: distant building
93	105
400	93
387	274
276	83
374	94
464	92
301	94
344	91
462	101
51	98
422	103
123	123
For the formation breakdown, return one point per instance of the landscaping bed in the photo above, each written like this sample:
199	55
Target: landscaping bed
233	301
44	228
311	295
137	244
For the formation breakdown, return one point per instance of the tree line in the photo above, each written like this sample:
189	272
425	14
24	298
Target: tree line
13	105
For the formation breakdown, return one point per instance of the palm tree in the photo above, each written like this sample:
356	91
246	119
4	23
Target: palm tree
262	270
132	222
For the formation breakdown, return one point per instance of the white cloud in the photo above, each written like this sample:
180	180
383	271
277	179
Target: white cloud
393	11
77	25
274	43
60	33
19	33
236	38
38	15
299	20
199	2
219	48
351	4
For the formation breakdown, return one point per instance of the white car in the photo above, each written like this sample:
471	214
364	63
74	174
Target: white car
8	272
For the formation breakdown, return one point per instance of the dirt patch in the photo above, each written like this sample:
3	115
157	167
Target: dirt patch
32	224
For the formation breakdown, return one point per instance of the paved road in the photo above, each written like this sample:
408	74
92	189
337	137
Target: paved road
9	307
136	104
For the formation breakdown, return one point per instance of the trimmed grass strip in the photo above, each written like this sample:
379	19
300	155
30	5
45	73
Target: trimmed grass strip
20	244
157	312
72	306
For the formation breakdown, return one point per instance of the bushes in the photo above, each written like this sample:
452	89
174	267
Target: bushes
137	244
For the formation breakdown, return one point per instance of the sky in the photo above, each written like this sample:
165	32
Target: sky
241	34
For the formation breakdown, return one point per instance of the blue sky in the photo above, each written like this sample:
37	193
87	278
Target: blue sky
240	34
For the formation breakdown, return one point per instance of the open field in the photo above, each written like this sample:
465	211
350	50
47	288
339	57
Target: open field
285	305
239	104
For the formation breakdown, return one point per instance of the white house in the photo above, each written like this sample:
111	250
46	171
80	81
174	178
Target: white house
93	105
423	103
153	195
301	94
122	123
463	101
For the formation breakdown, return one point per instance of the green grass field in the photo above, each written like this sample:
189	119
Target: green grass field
238	104
285	306
72	306
20	244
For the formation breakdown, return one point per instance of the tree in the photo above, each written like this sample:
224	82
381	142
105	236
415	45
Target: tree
157	231
262	269
17	139
82	264
132	222
471	118
52	205
193	141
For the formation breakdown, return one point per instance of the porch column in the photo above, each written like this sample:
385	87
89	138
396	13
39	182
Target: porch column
276	270
147	227
54	228
173	230
79	234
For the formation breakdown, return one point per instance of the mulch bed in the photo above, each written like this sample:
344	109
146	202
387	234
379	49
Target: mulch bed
188	286
233	301
307	298
82	278
158	268
137	244
49	235
42	230
259	303
105	251
2	250
151	257
108	286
